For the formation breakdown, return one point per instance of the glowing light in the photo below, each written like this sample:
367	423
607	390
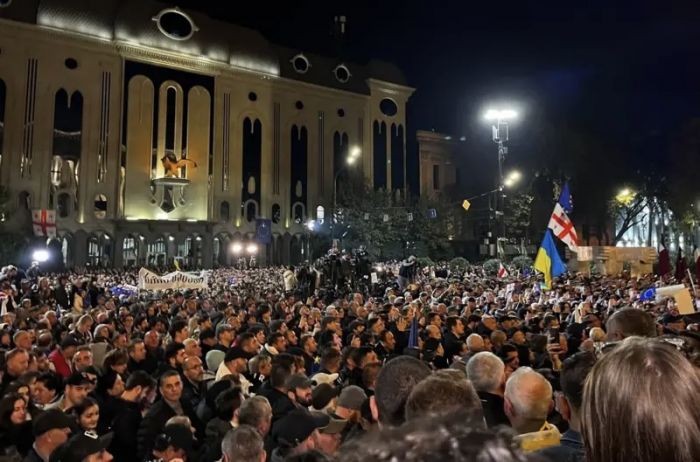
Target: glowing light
356	151
625	196
310	225
252	249
236	248
192	220
41	255
171	238
500	114
350	160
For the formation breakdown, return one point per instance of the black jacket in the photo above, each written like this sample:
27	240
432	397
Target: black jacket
125	425
452	345
154	421
193	393
492	406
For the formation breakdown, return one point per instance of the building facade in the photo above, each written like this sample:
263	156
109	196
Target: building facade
157	134
438	169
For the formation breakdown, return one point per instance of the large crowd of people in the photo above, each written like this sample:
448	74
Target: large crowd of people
411	365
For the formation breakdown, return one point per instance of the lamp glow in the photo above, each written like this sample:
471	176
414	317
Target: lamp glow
501	114
236	247
40	255
356	152
252	248
310	225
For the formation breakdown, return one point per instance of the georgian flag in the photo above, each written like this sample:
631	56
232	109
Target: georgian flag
502	271
563	228
44	222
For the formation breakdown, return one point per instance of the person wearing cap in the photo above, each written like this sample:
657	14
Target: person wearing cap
84	447
224	337
50	429
324	397
296	433
330	437
349	409
235	363
76	389
62	357
299	395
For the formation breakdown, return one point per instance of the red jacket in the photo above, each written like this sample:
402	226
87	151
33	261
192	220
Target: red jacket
60	364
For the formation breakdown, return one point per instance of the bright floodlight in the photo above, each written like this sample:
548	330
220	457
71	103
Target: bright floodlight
351	160
500	114
355	152
252	248
40	255
515	175
508	182
236	247
310	225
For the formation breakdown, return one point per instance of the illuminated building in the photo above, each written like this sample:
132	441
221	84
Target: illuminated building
101	101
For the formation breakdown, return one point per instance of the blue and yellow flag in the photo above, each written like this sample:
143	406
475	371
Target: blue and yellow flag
548	260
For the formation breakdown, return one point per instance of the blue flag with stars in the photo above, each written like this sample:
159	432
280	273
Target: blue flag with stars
565	199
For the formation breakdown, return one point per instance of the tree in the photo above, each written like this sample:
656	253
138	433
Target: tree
627	213
517	215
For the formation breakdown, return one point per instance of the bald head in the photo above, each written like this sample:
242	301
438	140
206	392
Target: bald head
475	343
528	400
630	322
433	331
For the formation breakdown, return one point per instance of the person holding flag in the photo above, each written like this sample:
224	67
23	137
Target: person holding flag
548	260
502	271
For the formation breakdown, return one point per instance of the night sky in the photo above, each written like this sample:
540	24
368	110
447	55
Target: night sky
628	71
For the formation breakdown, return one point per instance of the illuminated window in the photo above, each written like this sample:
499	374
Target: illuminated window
175	24
320	214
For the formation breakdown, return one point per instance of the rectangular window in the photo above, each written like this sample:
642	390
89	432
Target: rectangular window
436	177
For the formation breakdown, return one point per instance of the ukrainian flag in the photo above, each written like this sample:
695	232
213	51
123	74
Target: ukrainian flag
548	260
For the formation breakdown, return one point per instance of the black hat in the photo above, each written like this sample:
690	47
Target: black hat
298	381
322	395
292	429
50	420
79	378
80	446
235	353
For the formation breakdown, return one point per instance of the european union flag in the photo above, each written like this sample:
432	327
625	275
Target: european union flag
548	260
565	199
649	294
263	230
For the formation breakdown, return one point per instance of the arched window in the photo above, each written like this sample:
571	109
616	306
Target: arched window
100	206
129	251
251	211
94	251
224	213
298	211
320	214
156	252
63	205
276	213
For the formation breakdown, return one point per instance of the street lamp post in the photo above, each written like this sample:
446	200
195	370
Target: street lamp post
499	130
354	155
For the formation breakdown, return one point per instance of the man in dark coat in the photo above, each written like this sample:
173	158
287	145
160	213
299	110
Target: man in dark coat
170	405
127	418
